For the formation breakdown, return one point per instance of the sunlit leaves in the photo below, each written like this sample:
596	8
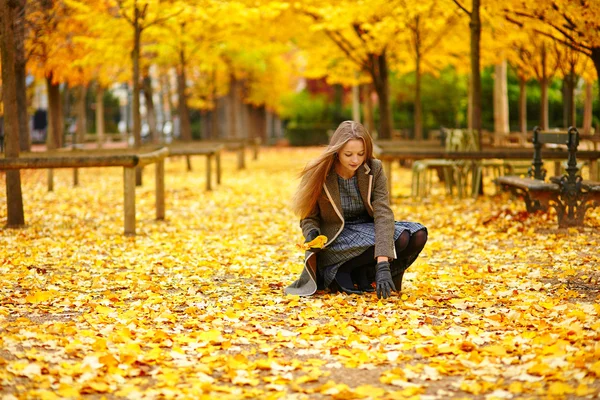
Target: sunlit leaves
501	304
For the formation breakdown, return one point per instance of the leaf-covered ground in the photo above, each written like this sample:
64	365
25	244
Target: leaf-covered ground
501	304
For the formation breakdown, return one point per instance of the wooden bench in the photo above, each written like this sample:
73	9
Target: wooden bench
129	160
209	150
239	146
570	195
187	149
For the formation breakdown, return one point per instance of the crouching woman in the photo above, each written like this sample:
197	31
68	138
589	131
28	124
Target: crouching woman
343	195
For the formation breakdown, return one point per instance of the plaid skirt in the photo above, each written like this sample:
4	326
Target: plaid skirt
354	240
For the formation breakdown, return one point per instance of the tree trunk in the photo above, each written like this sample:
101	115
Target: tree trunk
475	26
355	103
14	197
184	112
568	92
544	118
501	125
233	133
596	60
81	114
54	139
380	74
522	105
544	91
587	108
150	109
137	120
135	58
418	104
100	115
469	102
168	101
368	122
21	74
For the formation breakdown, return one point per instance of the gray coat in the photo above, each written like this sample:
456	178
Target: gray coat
328	219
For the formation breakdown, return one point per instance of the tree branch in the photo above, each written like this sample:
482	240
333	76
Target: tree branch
122	12
157	20
462	7
571	44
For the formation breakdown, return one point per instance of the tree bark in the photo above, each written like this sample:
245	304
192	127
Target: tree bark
21	74
214	115
54	139
150	110
500	100
596	60
587	108
81	115
100	115
368	122
135	58
475	26
418	106
544	91
522	105
14	197
233	132
544	118
380	75
184	112
355	103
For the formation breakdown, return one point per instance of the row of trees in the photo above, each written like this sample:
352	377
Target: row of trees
257	47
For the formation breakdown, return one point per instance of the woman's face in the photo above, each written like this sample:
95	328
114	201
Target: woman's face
352	155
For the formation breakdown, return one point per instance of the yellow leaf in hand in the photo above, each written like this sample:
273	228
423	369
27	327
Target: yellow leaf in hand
316	243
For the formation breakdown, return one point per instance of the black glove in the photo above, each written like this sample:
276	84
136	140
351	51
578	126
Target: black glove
383	279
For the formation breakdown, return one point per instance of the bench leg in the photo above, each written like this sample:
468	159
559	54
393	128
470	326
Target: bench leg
160	189
75	177
129	175
208	172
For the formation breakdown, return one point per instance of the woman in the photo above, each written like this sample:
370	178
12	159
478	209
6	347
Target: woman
343	195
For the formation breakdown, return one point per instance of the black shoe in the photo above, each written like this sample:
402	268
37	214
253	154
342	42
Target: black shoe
359	276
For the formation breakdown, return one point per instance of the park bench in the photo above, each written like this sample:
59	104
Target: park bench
239	146
129	160
570	195
209	150
187	149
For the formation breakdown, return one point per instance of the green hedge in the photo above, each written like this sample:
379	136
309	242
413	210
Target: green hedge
307	135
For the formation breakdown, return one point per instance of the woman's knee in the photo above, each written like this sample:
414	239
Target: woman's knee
419	238
402	242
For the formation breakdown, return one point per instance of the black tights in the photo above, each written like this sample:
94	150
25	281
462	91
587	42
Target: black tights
409	246
362	268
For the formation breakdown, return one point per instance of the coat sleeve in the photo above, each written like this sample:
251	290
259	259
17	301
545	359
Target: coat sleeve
312	221
382	214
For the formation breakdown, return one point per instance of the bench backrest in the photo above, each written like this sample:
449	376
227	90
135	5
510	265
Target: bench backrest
569	138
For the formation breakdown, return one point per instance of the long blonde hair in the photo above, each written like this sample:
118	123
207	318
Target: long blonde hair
315	173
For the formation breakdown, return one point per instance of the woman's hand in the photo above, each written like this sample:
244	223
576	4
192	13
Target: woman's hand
383	279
